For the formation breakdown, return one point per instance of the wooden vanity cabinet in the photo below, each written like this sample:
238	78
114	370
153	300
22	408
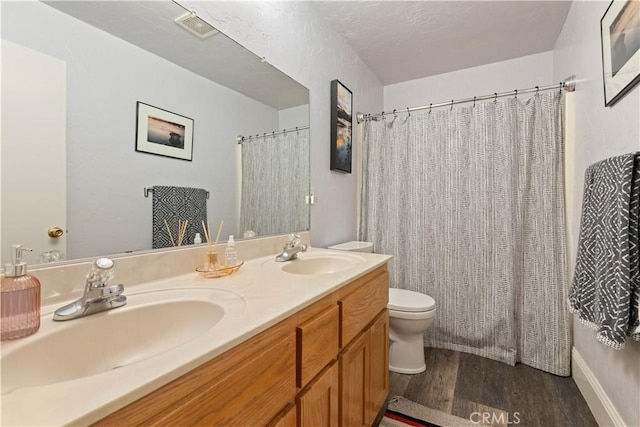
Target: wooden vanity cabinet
326	365
364	367
247	386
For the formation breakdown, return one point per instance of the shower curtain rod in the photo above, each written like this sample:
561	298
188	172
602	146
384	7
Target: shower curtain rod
569	85
240	138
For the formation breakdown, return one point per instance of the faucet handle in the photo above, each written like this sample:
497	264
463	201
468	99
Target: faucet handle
294	240
101	272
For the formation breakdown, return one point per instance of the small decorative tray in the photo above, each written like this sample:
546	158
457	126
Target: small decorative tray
221	271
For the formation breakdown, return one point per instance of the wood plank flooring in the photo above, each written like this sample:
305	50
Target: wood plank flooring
467	386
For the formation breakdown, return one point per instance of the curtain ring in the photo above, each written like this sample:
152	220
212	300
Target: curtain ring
395	115
516	95
474	101
495	97
451	105
408	112
430	108
537	90
561	85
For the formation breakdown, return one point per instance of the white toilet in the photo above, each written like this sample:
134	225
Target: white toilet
354	246
410	315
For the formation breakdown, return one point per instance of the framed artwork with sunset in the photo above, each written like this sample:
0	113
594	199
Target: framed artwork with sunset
163	133
620	35
341	127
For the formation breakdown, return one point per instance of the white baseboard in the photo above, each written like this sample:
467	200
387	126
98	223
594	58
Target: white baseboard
601	407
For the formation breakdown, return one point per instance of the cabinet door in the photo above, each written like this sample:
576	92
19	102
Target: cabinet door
379	364
287	418
318	403
354	383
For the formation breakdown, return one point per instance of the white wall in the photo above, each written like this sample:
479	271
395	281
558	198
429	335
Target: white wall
292	37
504	76
600	132
106	77
290	118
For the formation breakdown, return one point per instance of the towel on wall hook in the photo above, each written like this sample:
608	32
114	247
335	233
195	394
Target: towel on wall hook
605	293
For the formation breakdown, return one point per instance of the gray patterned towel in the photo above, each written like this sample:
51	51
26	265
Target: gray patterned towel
606	284
173	204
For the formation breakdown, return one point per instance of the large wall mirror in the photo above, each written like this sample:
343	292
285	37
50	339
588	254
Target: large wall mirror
73	76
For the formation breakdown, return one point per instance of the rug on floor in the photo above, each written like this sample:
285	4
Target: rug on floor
402	413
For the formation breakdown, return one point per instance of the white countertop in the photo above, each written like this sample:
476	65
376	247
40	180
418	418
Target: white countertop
258	296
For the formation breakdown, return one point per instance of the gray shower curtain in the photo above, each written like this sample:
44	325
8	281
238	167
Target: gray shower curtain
470	203
275	182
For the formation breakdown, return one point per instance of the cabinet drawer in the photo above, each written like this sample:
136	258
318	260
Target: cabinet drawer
361	306
317	344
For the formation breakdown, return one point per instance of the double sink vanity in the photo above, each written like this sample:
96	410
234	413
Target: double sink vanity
302	342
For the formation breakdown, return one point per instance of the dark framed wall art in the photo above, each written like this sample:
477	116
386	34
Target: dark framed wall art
341	127
620	35
163	133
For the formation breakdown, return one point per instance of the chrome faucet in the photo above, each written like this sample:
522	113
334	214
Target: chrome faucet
98	296
291	249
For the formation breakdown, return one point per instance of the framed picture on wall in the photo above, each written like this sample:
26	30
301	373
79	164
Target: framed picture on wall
163	133
620	35
341	127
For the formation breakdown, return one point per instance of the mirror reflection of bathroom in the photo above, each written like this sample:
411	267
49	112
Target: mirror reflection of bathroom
102	79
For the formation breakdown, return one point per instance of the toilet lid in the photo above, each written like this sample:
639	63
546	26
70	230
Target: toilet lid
404	300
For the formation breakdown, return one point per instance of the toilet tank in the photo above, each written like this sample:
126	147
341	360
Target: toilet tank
353	246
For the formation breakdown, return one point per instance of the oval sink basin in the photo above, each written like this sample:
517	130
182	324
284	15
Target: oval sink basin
321	264
150	324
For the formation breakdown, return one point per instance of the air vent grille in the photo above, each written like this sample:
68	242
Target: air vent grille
196	26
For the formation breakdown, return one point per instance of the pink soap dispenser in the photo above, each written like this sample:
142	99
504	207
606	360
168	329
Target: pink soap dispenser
19	298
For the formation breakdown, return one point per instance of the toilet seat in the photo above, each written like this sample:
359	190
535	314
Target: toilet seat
409	301
412	315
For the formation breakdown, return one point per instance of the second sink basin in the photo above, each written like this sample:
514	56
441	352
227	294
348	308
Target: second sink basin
316	264
150	324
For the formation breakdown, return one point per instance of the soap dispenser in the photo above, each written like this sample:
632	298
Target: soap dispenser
20	298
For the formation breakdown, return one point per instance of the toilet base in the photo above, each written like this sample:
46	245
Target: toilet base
407	371
407	357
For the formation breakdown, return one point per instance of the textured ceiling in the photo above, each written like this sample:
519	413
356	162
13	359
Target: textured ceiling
405	40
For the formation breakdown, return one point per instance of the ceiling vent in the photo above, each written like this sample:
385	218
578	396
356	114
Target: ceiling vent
196	26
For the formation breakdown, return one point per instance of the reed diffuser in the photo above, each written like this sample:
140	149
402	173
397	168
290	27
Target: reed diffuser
182	231
211	262
212	268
